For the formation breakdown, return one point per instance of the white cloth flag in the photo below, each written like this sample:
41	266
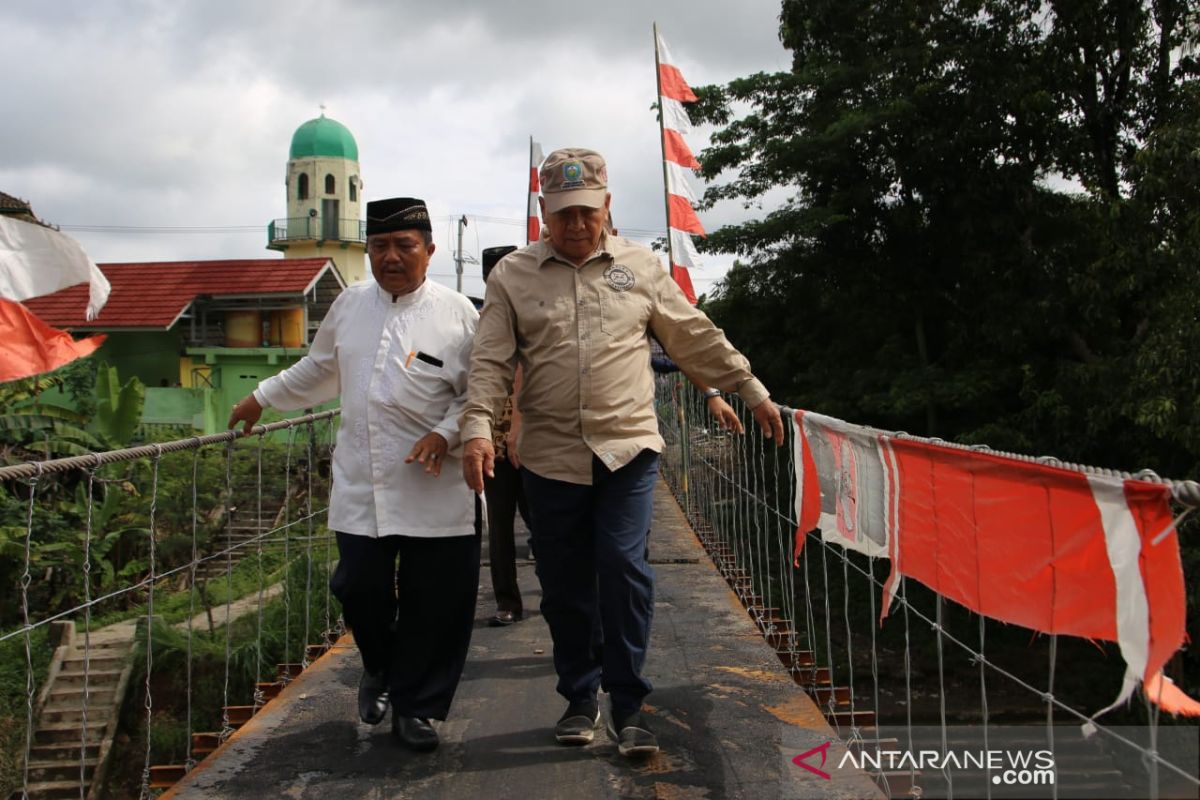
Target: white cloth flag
675	117
678	183
683	250
36	260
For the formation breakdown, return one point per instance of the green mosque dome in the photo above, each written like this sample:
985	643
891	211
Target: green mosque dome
323	137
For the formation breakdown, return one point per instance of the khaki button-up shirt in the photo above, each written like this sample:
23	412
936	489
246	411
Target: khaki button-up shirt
580	333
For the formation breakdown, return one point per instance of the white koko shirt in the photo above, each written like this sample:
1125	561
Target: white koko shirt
380	355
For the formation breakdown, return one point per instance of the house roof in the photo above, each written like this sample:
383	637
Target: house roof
16	207
153	295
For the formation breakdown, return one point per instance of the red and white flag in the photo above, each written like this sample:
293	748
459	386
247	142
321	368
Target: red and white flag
673	92
28	346
533	229
37	260
1022	542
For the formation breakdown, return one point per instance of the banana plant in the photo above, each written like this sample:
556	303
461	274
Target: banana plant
118	408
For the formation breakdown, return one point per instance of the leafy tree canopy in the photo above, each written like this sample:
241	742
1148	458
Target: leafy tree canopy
991	227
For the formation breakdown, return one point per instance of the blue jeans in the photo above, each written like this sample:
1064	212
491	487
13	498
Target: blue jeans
597	582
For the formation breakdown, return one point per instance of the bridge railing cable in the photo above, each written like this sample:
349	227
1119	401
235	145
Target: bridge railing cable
179	583
933	668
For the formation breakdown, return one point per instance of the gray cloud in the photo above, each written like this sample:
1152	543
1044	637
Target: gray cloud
160	113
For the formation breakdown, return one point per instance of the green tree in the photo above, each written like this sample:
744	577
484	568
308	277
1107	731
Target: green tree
990	225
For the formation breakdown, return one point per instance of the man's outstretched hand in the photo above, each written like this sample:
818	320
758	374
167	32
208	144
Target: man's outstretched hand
247	411
479	459
766	414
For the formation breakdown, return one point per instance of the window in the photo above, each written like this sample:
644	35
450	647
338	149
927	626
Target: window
302	187
353	189
330	184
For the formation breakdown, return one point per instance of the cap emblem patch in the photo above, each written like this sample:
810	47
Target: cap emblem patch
572	175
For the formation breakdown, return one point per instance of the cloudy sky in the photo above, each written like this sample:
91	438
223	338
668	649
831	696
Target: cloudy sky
128	116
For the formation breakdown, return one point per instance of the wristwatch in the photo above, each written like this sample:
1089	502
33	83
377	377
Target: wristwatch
711	392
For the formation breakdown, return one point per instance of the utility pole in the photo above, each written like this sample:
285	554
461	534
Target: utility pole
458	255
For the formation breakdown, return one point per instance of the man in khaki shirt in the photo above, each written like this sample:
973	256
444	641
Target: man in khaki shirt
574	311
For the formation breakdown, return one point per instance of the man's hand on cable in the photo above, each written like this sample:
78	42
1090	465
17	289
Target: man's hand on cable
726	417
429	450
247	411
479	459
766	414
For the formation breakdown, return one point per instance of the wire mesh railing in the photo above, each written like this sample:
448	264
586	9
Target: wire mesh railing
154	586
933	671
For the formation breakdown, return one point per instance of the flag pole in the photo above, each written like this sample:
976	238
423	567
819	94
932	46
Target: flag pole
662	144
684	434
528	181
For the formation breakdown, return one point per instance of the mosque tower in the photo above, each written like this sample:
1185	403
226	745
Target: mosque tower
324	199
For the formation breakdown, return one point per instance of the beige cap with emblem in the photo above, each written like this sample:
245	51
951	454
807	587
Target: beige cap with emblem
573	176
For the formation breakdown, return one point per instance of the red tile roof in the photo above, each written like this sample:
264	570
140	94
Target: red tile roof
154	294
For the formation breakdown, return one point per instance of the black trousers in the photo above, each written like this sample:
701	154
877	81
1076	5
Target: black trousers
411	604
505	496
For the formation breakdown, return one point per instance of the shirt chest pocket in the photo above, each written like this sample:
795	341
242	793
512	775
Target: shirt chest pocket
548	321
420	389
623	314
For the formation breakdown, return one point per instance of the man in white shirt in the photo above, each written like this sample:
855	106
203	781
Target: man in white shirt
397	352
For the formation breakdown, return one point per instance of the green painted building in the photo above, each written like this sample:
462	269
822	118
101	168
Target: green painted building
201	334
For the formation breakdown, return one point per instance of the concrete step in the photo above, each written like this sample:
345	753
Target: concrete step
61	770
95	678
97	663
51	790
98	716
63	751
109	645
66	733
72	697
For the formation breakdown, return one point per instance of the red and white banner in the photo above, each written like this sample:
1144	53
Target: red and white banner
1022	542
670	79
681	198
28	346
533	229
36	260
676	150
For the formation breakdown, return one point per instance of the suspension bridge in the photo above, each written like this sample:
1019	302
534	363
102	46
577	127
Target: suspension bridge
219	668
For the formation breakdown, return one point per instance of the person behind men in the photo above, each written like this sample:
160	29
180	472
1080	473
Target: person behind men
504	494
396	350
574	311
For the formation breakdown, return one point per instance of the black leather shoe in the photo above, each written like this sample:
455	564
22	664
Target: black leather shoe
414	733
372	697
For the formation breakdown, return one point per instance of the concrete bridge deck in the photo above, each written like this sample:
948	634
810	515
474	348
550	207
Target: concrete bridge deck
728	717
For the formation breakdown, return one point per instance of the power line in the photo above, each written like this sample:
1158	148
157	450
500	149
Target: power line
518	222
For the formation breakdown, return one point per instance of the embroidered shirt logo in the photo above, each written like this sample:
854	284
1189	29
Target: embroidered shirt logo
619	277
